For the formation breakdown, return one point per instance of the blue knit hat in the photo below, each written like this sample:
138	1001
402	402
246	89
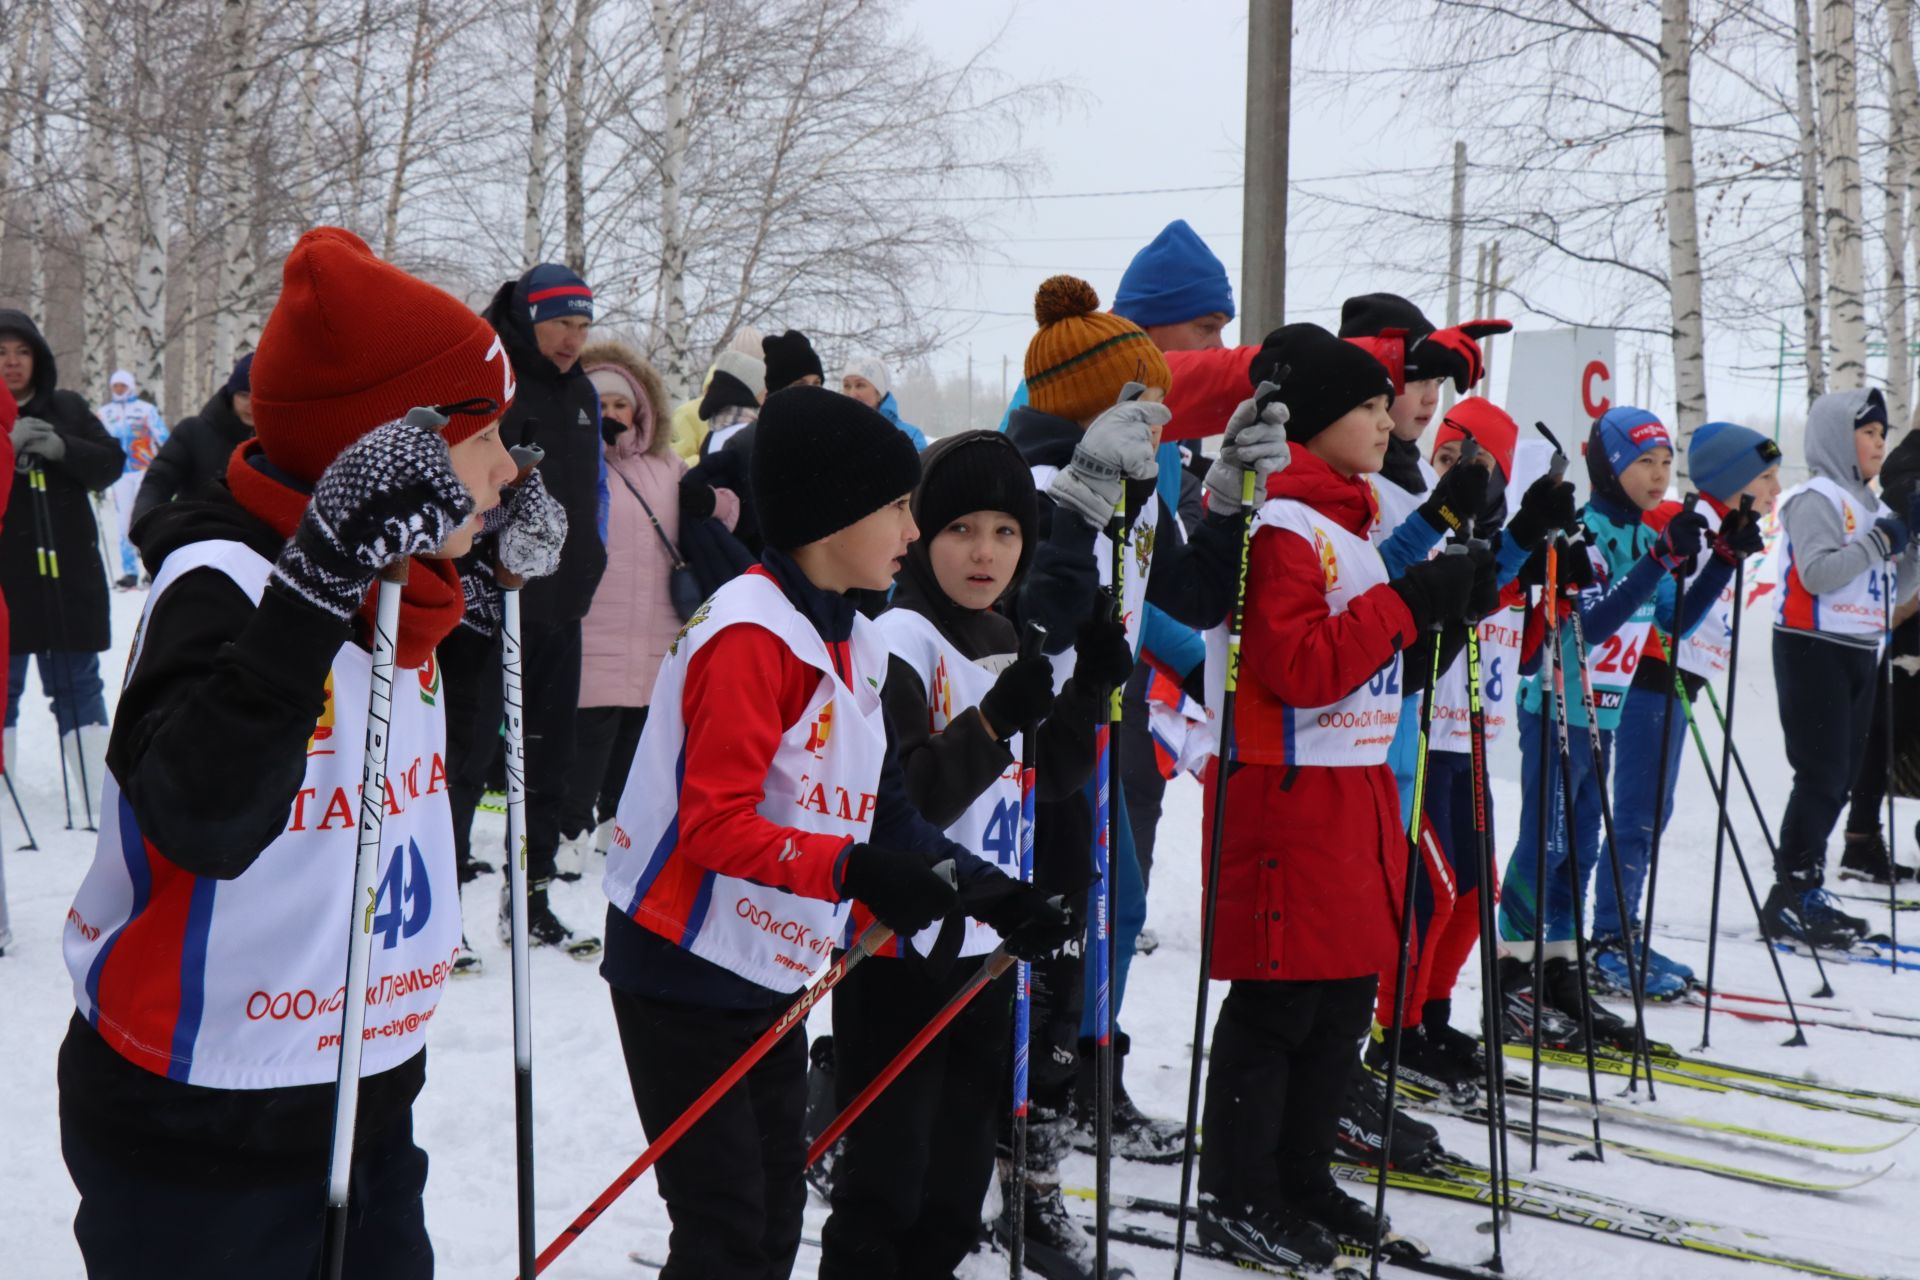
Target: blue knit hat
240	381
1723	458
1625	433
553	291
1174	279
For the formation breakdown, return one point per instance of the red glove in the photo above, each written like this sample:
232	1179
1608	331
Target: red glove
1454	353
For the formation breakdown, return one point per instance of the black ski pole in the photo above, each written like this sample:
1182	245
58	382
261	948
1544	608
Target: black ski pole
1569	822
1543	827
1407	934
1031	642
47	566
1893	865
64	659
26	826
1218	829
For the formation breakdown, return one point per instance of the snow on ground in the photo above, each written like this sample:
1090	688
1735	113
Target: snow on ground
587	1130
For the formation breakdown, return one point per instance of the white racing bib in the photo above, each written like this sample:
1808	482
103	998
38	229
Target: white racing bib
1499	674
237	984
1860	607
1140	539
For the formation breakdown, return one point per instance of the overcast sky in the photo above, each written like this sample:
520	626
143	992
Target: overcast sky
1162	90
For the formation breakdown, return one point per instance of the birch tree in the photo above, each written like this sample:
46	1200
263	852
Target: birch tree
37	229
1683	228
1834	58
149	291
1807	123
236	323
574	144
417	68
670	29
1900	147
549	21
96	300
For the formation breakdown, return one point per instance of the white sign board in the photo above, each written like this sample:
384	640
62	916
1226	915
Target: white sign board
1564	378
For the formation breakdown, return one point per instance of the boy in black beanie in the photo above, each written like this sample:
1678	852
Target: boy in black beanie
908	1187
768	732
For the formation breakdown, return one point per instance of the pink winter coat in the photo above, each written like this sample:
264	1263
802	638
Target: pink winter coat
627	630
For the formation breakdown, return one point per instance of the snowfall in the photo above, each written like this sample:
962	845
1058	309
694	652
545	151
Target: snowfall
587	1131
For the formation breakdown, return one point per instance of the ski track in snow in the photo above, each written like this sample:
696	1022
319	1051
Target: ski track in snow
587	1130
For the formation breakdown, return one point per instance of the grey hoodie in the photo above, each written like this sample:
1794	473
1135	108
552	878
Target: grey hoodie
1825	559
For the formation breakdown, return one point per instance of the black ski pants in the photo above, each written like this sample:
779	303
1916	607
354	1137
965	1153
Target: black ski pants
470	684
1826	695
733	1185
1276	1077
909	1185
604	740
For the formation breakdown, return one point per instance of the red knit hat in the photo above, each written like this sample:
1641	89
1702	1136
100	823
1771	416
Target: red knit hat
1487	423
354	342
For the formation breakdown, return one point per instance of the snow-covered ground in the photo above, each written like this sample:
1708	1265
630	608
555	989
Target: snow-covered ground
587	1130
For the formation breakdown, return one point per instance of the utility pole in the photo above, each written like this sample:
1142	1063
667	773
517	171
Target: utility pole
1263	245
1456	249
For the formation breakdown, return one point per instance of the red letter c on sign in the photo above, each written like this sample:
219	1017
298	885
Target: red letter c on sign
1594	372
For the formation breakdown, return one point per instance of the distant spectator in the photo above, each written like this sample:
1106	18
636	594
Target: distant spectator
868	380
135	422
791	360
199	445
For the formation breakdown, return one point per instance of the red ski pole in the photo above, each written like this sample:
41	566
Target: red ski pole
997	963
871	940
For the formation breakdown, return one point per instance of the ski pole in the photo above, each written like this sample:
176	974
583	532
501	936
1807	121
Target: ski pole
1543	826
1732	841
1031	643
1236	618
1568	823
871	939
47	566
996	964
64	658
511	660
353	1015
1403	963
31	844
1893	842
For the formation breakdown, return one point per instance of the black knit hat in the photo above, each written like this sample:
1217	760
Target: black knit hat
790	357
823	461
976	471
724	390
1368	315
1326	377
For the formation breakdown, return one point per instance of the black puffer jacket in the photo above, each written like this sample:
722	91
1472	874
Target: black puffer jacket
560	413
70	612
195	453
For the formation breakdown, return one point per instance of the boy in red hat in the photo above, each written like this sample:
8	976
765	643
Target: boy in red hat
207	941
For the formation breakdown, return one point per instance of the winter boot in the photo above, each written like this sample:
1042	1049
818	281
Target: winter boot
1519	1010
1057	1247
1319	1199
1613	970
1805	914
8	745
1423	1068
1436	1020
467	963
1657	963
570	859
1866	858
85	751
603	837
1146	942
1563	993
544	929
820	1113
1136	1135
1363	1128
1273	1236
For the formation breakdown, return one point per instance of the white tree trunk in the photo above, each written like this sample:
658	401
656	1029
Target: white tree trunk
17	71
574	146
306	134
37	230
96	298
1839	118
1812	312
403	149
670	28
1900	95
362	127
1683	228
543	43
235	328
149	292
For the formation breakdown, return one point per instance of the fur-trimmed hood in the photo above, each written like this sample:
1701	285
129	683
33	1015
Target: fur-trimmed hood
655	432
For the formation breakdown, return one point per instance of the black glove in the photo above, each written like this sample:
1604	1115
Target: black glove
1021	696
903	890
1892	534
481	589
1460	496
391	495
1033	923
1545	506
1680	541
1485	599
1437	590
696	499
1739	537
1102	658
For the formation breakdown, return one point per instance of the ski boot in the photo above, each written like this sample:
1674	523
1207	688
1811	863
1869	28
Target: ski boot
1866	858
1136	1135
1363	1128
1320	1200
1519	1010
466	964
1436	1020
820	1114
1423	1068
1805	914
1613	970
570	859
544	929
1146	942
1272	1236
1057	1247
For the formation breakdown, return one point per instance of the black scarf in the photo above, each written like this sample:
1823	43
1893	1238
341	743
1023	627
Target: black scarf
1402	465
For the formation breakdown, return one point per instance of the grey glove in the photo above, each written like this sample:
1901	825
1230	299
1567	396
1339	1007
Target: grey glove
534	532
1256	441
391	495
1118	446
38	438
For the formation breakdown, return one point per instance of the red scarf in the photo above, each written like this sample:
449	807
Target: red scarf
432	602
